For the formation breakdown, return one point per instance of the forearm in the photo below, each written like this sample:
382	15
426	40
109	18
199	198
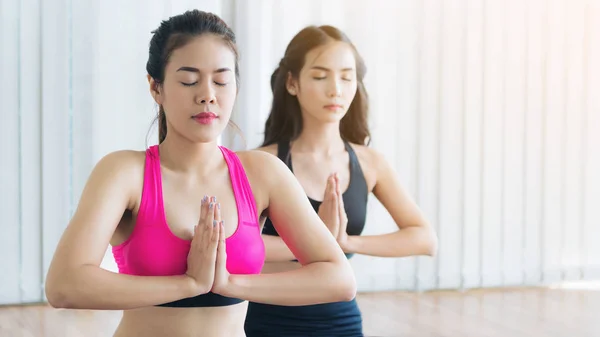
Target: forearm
91	287
319	282
408	241
276	250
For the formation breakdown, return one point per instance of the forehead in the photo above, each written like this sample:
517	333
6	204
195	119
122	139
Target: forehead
206	52
334	55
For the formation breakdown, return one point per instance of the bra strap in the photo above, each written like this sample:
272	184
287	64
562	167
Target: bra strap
242	190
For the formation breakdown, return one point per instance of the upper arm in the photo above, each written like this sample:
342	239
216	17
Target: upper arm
392	195
292	214
106	196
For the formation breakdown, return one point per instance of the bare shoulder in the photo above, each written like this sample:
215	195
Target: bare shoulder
261	164
272	149
263	170
124	168
365	153
122	162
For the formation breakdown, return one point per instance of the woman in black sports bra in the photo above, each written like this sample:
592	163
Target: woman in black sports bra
318	127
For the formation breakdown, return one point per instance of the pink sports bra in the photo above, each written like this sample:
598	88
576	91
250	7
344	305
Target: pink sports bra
153	250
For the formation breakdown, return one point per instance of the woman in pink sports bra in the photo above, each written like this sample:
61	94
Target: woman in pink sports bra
184	217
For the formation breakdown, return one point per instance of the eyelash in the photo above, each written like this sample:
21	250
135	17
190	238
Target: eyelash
193	84
322	78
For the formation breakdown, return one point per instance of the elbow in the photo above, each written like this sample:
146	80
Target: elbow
60	293
430	244
348	291
345	289
56	295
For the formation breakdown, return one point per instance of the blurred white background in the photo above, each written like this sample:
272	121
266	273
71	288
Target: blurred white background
488	109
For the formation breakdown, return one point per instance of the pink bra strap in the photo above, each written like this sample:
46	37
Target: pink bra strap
241	187
152	198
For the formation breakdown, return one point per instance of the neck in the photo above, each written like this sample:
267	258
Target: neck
318	137
180	154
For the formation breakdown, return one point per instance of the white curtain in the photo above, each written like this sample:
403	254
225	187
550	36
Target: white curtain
487	109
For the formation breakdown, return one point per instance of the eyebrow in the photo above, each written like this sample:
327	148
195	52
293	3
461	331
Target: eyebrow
196	70
326	69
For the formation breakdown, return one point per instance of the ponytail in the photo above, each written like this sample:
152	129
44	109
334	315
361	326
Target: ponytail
274	79
162	125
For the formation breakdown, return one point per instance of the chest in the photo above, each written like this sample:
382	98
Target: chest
162	238
155	252
312	172
182	200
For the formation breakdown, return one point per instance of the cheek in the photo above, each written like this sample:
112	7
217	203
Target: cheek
350	90
312	94
175	96
308	100
318	90
227	97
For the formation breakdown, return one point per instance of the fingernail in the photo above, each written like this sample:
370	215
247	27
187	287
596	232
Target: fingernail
211	205
214	223
219	205
204	199
214	199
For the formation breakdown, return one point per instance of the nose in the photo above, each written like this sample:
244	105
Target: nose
206	95
335	89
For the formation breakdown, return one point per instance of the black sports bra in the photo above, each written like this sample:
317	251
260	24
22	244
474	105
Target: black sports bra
355	197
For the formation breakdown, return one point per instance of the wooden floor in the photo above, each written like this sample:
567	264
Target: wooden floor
536	312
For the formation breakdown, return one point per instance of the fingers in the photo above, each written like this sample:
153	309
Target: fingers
222	233
334	205
216	235
212	233
336	179
338	191
341	210
210	214
217	212
200	228
203	210
330	189
221	248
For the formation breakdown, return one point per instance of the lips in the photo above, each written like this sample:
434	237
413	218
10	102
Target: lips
333	106
205	117
206	114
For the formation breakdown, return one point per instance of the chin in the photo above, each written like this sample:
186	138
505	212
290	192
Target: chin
331	119
204	134
204	138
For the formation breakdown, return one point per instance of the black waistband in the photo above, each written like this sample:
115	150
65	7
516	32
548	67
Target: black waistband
209	299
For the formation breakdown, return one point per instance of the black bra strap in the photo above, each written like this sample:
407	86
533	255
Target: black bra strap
351	153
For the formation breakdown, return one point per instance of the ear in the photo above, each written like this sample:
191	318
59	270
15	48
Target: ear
291	85
154	90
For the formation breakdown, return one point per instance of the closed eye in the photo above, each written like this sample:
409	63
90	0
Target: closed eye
193	84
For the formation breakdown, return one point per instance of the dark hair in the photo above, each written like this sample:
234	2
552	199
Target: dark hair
285	119
175	33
